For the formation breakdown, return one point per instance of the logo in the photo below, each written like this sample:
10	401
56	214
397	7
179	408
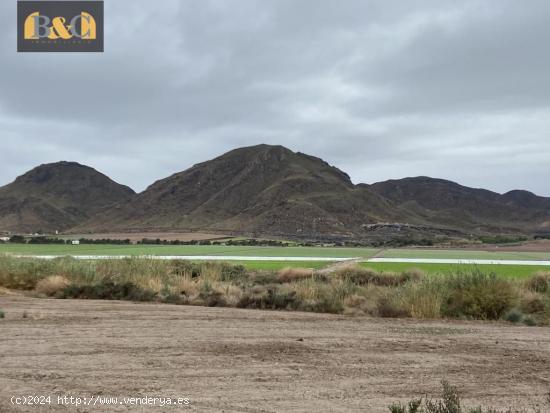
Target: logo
59	26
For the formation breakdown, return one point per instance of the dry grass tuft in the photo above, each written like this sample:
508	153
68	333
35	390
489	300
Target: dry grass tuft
51	285
287	275
539	283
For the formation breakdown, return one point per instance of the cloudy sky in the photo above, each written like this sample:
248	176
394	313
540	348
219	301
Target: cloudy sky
381	89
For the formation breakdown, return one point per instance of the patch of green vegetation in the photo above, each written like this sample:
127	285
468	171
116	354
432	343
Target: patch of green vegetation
464	254
2	314
508	271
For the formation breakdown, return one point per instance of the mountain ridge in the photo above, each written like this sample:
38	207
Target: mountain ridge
267	190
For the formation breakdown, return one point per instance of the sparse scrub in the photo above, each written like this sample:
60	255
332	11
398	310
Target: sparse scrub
450	402
108	291
365	276
350	290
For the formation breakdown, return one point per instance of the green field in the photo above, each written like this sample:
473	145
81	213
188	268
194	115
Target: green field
218	250
511	271
464	254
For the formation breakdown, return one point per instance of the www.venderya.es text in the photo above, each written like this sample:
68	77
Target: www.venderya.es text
96	400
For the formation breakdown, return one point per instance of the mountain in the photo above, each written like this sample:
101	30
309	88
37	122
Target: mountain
263	191
259	190
57	196
442	202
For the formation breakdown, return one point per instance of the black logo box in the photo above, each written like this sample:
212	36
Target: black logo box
67	9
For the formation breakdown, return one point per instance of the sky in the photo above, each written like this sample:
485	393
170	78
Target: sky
381	89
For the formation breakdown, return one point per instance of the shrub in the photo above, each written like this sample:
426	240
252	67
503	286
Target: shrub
532	305
264	278
365	276
288	274
233	273
529	321
513	316
387	307
478	295
413	406
270	297
108	291
51	285
539	283
450	403
2	314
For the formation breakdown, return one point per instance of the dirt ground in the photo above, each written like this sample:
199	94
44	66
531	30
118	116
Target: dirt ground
168	236
228	360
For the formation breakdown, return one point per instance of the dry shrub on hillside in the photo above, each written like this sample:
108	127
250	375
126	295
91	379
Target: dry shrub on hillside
51	285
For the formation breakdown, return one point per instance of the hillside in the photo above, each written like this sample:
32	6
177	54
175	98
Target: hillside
442	202
57	196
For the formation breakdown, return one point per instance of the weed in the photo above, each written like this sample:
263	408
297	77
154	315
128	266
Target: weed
539	283
513	316
529	321
450	403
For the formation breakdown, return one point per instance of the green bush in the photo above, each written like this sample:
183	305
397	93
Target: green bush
513	316
2	314
478	295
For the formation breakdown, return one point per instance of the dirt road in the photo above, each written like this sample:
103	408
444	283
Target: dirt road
227	360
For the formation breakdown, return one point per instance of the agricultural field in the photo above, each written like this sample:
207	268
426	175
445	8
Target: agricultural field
463	254
508	271
186	250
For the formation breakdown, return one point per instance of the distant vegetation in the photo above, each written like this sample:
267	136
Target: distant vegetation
465	294
502	239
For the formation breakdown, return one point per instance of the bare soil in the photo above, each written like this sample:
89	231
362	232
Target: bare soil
168	236
228	360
